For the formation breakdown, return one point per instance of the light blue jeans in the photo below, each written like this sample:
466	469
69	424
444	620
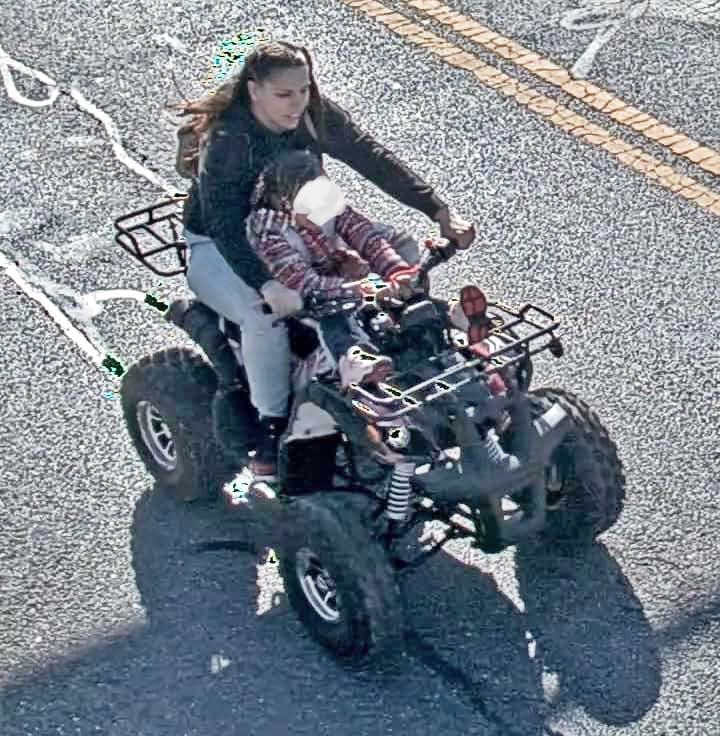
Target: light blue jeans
265	348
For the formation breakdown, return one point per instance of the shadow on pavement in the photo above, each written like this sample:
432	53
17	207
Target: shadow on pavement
592	632
221	649
212	657
693	623
465	628
586	623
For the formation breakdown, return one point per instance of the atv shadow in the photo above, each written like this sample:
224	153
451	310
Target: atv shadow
593	632
585	622
217	650
467	630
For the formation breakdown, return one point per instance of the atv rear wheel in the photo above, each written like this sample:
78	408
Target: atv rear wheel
167	399
338	579
586	484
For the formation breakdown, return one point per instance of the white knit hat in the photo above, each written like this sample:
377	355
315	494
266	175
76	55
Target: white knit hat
320	200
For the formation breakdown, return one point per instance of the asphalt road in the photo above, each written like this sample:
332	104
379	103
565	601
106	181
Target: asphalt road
110	624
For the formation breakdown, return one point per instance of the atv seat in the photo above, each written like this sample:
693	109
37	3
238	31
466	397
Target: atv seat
199	321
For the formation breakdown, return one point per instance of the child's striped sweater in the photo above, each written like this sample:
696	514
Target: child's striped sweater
307	261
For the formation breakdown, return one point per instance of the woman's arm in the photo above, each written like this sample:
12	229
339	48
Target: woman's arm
226	182
348	143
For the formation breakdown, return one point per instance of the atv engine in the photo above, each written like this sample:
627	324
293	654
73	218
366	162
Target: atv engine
410	334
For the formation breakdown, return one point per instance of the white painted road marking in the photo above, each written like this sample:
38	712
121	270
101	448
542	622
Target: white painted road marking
86	306
6	61
75	317
95	353
13	93
617	15
165	39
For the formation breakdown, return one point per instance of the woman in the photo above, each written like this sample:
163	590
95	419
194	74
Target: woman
272	106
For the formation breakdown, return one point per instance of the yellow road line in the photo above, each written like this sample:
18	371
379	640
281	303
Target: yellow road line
561	116
606	102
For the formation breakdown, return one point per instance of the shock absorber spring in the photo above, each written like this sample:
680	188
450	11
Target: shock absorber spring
398	501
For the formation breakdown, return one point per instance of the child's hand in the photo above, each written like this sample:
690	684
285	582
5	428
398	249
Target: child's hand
400	283
363	288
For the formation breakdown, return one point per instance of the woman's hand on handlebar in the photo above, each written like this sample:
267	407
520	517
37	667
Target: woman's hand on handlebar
455	228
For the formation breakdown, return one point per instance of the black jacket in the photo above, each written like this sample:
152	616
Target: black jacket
240	147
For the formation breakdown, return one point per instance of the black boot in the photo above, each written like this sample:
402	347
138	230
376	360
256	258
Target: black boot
264	465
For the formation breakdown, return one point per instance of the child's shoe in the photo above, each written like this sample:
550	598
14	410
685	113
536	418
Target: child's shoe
468	314
357	366
457	317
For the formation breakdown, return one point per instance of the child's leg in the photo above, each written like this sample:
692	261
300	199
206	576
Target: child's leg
353	363
336	335
404	243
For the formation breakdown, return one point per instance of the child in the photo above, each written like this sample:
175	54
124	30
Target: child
311	240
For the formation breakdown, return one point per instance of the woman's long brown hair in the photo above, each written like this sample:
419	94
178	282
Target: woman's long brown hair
263	61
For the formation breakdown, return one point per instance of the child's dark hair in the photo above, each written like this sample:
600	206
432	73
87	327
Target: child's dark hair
283	178
261	63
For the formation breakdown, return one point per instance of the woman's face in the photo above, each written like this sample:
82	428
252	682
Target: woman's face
281	100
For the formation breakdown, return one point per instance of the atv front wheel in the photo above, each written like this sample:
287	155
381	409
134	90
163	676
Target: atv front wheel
585	481
338	579
167	399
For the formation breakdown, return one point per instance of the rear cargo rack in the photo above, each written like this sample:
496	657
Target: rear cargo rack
151	221
448	381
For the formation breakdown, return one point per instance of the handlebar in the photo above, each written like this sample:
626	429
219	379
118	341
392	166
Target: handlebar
317	306
433	255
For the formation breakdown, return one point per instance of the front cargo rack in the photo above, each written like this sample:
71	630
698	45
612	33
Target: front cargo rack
165	215
451	379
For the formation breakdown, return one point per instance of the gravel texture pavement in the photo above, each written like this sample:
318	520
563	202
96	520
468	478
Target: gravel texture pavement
110	624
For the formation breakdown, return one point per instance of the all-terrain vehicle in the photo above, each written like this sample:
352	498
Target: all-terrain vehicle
359	471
